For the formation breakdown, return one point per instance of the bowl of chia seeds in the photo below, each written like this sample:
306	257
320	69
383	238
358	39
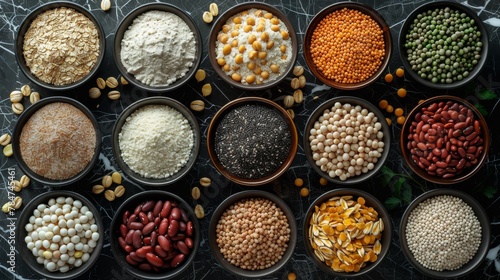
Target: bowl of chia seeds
443	45
252	141
445	233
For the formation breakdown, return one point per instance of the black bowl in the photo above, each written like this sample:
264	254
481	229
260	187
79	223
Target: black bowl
442	4
353	101
26	115
371	201
26	253
128	20
158	100
481	251
26	24
213	235
130	205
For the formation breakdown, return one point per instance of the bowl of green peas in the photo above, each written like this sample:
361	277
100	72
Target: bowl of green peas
443	45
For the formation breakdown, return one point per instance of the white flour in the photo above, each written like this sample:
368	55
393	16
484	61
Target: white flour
158	48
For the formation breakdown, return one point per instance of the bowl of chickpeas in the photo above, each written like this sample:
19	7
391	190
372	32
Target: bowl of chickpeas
347	45
346	140
443	45
253	46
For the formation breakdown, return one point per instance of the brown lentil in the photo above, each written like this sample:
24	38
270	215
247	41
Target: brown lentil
347	46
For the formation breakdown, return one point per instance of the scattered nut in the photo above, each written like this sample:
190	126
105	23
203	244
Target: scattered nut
109	195
16	186
304	192
205	181
214	9
111	82
288	101
292	276
94	92
7	150
298	96
114	95
207	17
291	113
25	181
7	207
200	75
302	81
5	139
195	193
323	182
105	5
16	96
97	189
198	105
17	108
123	81
17	203
295	83
315	97
116	177
206	90
107	181
199	212
34	97
26	90
119	191
298	70
101	83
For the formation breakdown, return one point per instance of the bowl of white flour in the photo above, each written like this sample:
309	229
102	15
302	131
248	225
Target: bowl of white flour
156	141
158	47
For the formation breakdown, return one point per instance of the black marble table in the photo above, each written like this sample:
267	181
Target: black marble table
483	186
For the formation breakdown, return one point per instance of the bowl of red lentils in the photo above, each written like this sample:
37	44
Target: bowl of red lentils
445	233
57	55
347	45
252	46
252	234
445	140
346	140
252	141
443	45
347	232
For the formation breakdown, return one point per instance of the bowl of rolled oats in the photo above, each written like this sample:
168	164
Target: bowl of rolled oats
252	46
347	232
60	45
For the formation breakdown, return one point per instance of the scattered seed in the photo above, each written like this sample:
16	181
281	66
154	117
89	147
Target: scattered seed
101	83
5	139
97	189
7	207
16	186
291	113
105	5
198	105
206	90
119	191
214	9
298	182
304	192
195	193
17	203
17	108
25	181
114	95
401	92
323	181
26	90
109	195
389	121
34	97
200	75
123	81
315	97
205	181
400	72
111	82
292	276
199	211
298	70
116	177
107	181
16	96
94	92
7	150
302	81
288	101
401	120
388	78
298	96
207	17
295	83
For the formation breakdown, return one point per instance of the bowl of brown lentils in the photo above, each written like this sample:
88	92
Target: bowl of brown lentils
243	229
445	233
55	54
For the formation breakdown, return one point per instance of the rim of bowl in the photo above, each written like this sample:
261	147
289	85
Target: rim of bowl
130	204
238	197
26	254
420	172
484	39
156	100
372	201
128	20
353	100
212	128
238	8
365	9
485	234
25	24
26	115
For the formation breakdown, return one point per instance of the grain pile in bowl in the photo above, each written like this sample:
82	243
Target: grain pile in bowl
253	47
158	48
346	141
58	141
61	46
156	141
347	46
253	234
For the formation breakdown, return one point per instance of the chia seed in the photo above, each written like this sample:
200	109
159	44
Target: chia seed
252	141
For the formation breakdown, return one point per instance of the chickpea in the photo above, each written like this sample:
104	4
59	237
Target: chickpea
256	45
236	77
242	48
238	59
284	34
264	36
264	75
252	54
275	21
260	27
235	33
275	68
251	38
250	79
257	70
268	15
234	43
270	45
275	28
226	49
237	20
247	28
226	28
223	38
250	21
283	48
221	61
226	67
251	65
262	55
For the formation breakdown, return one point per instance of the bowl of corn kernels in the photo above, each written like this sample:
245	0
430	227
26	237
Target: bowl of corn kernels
253	46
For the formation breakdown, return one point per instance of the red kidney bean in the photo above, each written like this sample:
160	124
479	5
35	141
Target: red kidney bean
175	214
131	219
141	252
157	208
165	211
146	240
151	218
144	218
154	238
162	228
148	228
137	239
136	225
165	243
135	257
189	242
160	252
157	221
173	228
471	136
131	261
137	209
154	260
182	247
145	267
177	260
128	238
125	217
123	230
178	237
129	249
184	216
189	228
148	206
122	243
182	226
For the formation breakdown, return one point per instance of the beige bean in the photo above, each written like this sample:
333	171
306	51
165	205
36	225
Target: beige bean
16	185
7	207
119	191
109	195
17	202
111	82
116	177
206	90
101	83
114	95
94	92
123	81
25	181
107	181
288	101
16	96
291	113
200	75
207	17
298	70
17	108
97	189
205	182
295	83
197	105
298	96
214	9
26	90
7	150
5	139
199	211
302	81
105	5
34	97
195	193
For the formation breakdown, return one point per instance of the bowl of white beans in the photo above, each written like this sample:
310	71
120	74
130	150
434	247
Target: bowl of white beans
445	233
59	234
346	140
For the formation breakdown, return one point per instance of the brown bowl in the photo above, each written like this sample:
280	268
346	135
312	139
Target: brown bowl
418	165
218	27
251	101
365	10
